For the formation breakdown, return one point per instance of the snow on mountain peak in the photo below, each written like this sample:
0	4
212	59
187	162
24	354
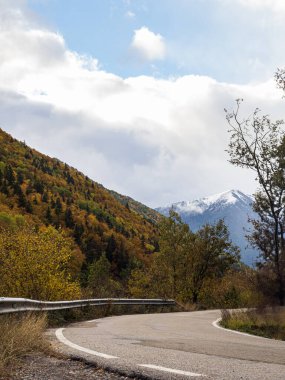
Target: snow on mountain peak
199	206
229	197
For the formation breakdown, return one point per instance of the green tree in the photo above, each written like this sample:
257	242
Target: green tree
45	197
48	216
186	261
58	206
258	144
22	198
38	186
20	178
69	221
175	241
111	247
29	207
100	279
212	255
8	221
9	175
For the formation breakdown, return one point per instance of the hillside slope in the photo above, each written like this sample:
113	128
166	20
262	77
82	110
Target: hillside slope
141	209
49	191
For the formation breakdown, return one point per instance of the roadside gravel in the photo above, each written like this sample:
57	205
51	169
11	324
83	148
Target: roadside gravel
40	366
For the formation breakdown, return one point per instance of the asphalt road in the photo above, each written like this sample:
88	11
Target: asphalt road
175	346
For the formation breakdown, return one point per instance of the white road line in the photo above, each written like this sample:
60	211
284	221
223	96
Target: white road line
216	324
171	370
61	338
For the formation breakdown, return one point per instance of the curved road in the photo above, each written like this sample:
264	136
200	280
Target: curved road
175	346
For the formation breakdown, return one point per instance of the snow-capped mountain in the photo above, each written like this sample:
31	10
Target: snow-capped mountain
233	206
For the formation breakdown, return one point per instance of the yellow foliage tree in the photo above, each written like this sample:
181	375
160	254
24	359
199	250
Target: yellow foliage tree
34	264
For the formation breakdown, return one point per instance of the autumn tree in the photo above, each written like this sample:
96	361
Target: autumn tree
34	264
186	261
257	143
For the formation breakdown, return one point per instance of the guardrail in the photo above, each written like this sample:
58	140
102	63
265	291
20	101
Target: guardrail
13	305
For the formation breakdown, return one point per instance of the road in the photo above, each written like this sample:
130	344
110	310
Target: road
175	346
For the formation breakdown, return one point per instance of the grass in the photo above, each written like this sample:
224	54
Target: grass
19	335
266	322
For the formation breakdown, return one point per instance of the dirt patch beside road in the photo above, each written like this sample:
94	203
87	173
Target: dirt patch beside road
38	366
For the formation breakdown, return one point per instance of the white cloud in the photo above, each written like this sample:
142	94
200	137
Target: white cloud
158	140
148	45
130	14
274	5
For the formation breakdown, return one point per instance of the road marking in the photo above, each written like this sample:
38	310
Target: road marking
171	370
61	338
216	324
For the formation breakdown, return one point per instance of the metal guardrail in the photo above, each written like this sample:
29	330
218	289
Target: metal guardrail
13	305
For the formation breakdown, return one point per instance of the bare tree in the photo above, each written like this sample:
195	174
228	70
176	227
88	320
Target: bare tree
280	78
258	144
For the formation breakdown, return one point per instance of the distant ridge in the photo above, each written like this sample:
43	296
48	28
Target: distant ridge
233	206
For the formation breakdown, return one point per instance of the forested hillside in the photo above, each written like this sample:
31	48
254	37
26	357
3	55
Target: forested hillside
49	192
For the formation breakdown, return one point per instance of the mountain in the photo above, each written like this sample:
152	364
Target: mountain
233	206
47	191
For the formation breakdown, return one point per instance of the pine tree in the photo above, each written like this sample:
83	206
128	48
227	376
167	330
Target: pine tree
45	197
29	207
20	178
78	231
48	215
39	186
9	175
22	201
4	187
69	222
111	247
58	206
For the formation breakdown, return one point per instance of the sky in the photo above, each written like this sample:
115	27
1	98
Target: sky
132	92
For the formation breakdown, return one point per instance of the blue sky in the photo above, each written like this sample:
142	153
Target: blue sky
132	92
222	39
